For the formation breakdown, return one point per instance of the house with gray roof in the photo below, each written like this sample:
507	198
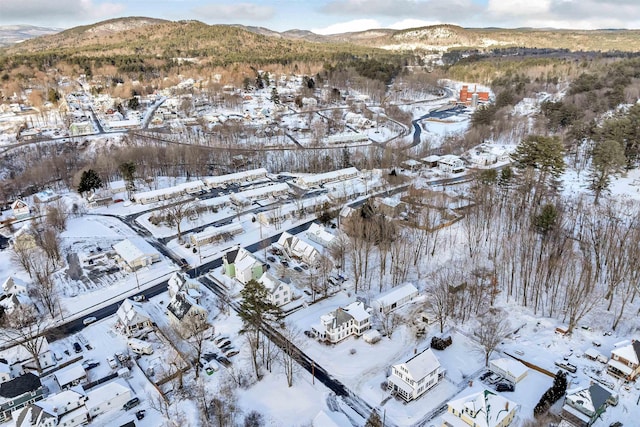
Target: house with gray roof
413	378
18	393
133	319
181	309
582	407
341	323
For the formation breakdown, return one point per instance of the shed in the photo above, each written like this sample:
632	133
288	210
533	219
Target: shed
73	375
135	255
394	298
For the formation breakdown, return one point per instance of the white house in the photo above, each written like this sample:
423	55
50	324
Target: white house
413	378
133	318
70	376
20	209
317	233
181	309
179	282
394	298
353	319
72	408
509	368
14	294
483	409
625	361
295	247
135	255
582	407
451	164
24	359
63	409
5	372
107	397
279	293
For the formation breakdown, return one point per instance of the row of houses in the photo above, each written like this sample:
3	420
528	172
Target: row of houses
191	187
216	234
247	197
194	187
317	180
74	407
298	209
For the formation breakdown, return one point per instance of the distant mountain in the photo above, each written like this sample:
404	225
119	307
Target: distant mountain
11	34
443	37
223	44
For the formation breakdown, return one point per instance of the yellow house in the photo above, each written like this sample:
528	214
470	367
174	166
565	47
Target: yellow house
483	409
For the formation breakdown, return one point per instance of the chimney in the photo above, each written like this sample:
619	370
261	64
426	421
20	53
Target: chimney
506	405
415	351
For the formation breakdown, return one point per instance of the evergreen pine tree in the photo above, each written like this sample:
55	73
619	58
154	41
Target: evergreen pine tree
89	181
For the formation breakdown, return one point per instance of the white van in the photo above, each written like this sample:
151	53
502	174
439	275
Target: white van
139	346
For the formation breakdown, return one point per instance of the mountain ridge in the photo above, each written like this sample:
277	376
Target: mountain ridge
155	37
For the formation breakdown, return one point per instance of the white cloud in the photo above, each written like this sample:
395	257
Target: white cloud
515	8
348	27
234	12
54	12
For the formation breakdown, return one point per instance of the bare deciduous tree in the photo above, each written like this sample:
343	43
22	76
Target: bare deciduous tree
289	352
492	330
197	329
25	327
175	213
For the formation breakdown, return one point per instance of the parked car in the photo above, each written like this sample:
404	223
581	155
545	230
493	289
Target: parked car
271	259
209	356
298	269
304	266
493	378
90	364
224	360
223	344
139	298
89	320
226	348
485	375
284	263
505	386
309	334
231	353
112	362
140	414
76	347
220	340
566	366
131	404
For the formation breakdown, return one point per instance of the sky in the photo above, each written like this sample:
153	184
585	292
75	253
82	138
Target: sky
334	16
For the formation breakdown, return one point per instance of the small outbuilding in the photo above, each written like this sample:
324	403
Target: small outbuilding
508	368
